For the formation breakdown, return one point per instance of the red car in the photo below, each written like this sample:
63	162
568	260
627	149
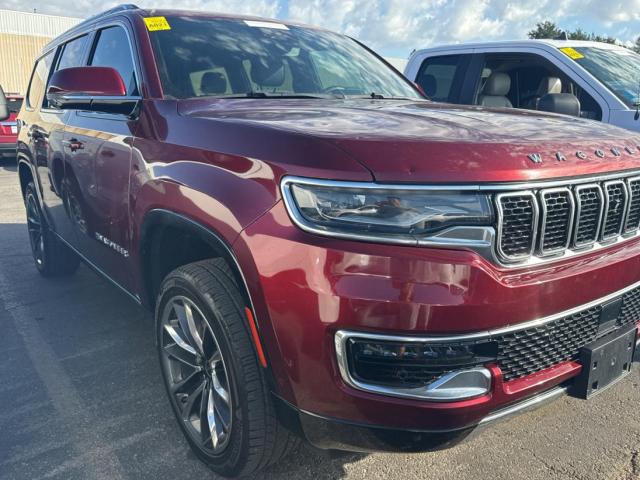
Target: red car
9	127
329	255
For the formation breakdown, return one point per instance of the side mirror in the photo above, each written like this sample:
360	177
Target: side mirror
562	103
4	106
98	89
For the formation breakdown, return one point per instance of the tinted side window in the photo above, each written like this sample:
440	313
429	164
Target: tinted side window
72	53
441	77
39	80
112	50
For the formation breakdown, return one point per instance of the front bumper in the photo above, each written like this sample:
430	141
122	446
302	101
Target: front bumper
306	288
332	434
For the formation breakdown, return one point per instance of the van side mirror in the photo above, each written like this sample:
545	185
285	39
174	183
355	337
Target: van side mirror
4	106
562	103
99	89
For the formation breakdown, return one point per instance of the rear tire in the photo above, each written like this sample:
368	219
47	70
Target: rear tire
52	257
216	387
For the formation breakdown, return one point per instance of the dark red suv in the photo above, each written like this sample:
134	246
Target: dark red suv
329	255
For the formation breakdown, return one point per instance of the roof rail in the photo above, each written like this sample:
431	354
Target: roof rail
119	8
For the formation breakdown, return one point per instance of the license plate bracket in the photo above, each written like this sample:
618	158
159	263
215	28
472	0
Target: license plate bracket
604	362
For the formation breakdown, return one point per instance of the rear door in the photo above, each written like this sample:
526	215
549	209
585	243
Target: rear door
98	156
44	130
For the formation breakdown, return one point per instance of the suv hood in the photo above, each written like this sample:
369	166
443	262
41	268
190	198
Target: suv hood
405	141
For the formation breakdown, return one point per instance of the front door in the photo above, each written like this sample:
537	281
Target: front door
98	158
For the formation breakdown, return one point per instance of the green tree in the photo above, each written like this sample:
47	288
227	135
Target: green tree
579	34
545	29
636	46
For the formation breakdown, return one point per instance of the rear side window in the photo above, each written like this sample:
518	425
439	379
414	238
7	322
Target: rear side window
112	50
441	77
72	53
39	80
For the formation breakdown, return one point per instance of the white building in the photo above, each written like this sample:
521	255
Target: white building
22	36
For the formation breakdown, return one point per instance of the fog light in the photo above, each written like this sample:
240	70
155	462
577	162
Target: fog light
415	367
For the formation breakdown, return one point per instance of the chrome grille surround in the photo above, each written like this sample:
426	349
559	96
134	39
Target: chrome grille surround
588	215
632	221
556	220
615	192
599	211
513	205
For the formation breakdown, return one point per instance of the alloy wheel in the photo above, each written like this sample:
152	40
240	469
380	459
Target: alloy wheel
36	230
196	374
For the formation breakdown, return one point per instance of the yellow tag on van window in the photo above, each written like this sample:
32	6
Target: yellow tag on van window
157	23
572	53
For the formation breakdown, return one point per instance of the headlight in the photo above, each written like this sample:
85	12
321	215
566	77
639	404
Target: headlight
395	214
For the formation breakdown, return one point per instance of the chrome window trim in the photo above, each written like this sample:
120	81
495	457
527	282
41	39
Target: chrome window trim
589	243
534	225
618	232
625	229
543	216
341	337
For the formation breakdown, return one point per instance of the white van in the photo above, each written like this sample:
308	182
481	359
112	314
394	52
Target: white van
604	78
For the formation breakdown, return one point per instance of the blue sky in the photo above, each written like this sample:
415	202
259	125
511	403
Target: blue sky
395	27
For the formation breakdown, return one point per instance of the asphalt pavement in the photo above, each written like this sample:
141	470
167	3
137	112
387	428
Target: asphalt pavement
81	397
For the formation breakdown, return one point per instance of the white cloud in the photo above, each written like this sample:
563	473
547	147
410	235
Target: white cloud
397	26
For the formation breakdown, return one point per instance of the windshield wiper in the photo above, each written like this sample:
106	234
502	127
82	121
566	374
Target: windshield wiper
255	94
377	96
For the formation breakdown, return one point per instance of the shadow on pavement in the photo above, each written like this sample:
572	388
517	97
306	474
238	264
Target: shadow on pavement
81	388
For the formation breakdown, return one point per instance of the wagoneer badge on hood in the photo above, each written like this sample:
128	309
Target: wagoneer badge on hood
616	152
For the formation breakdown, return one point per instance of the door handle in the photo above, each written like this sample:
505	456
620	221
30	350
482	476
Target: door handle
74	144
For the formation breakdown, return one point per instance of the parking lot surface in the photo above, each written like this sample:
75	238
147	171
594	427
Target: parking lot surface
82	398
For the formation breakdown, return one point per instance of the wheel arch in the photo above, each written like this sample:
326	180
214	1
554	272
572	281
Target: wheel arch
25	174
158	222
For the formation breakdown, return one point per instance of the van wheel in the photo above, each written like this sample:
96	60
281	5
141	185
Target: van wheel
216	387
52	257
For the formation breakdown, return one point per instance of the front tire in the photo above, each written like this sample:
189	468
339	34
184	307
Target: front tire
216	387
52	257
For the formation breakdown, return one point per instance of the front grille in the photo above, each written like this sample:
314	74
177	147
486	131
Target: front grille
548	221
557	217
590	202
531	350
518	215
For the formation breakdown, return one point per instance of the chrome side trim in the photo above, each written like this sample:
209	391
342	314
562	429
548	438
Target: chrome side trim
543	220
534	225
525	405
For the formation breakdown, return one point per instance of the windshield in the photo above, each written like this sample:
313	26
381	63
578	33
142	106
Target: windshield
200	57
617	69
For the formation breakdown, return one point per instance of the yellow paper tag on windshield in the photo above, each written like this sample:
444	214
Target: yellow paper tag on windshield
157	23
572	53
